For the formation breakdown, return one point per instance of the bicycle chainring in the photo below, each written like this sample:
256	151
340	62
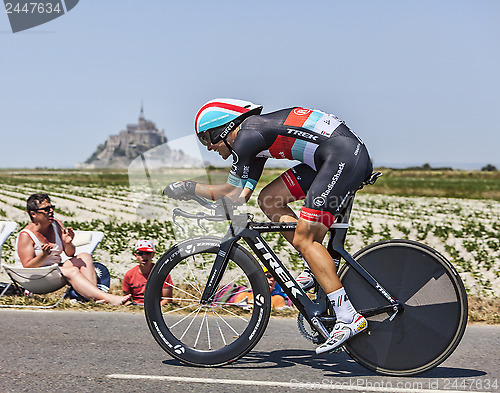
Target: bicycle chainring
307	331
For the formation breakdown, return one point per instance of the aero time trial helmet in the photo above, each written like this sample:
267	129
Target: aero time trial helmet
219	117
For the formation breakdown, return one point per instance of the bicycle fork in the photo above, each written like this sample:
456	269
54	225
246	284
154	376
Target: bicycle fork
218	269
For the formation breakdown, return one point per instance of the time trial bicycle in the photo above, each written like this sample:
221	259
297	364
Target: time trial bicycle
412	297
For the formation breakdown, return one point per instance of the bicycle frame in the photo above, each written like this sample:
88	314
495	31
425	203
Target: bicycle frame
312	311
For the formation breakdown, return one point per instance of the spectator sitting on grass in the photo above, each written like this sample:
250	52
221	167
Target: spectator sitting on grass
134	281
43	241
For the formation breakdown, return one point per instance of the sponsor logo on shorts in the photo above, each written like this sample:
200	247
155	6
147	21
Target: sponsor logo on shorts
319	201
335	178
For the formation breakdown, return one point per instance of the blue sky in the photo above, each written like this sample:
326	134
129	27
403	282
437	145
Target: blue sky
418	81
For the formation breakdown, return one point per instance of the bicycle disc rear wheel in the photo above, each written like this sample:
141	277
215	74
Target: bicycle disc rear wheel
434	318
210	334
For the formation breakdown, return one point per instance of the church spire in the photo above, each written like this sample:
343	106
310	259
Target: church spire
141	115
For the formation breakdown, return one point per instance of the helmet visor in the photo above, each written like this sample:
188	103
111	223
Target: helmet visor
204	138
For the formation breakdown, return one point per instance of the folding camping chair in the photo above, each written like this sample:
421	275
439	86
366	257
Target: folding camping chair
47	279
6	229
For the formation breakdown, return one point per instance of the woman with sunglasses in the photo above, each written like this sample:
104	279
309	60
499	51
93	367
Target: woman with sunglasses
43	243
334	162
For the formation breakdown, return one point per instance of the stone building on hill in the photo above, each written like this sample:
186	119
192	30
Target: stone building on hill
121	149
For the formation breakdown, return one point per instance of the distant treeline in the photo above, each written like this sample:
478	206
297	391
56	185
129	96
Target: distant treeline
428	167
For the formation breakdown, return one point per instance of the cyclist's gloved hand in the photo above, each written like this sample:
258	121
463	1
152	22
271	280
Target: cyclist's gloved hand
180	189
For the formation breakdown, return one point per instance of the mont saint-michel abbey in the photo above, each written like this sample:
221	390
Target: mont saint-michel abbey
119	150
143	140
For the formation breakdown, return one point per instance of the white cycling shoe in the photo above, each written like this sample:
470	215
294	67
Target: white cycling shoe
305	279
343	332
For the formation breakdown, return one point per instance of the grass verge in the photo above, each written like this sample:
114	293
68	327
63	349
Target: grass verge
481	310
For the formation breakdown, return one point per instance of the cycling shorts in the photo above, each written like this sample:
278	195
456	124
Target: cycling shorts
343	164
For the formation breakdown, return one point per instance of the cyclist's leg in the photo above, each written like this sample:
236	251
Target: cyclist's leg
291	186
343	165
308	240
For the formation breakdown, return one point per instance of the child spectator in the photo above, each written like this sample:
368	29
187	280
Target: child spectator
134	281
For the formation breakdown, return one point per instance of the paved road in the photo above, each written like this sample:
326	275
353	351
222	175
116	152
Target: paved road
68	351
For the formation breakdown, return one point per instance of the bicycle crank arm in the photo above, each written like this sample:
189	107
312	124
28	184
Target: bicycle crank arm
320	327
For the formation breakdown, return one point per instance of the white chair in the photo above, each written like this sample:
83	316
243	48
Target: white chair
6	229
42	280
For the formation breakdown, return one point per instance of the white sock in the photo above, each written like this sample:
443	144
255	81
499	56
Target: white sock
343	307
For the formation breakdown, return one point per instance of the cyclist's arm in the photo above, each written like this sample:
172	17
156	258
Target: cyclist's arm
214	192
245	171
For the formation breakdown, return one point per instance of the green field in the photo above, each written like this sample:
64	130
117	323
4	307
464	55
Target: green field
455	212
451	184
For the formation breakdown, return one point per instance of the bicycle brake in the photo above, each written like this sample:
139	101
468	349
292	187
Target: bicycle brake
201	226
175	222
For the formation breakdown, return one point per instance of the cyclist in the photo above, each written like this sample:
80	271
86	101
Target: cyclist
334	163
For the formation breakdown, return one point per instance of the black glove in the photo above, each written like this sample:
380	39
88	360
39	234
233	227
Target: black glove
180	189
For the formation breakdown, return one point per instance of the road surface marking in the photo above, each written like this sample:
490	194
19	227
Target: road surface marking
354	384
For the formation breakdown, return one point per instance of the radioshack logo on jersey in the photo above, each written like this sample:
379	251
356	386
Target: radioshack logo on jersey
25	14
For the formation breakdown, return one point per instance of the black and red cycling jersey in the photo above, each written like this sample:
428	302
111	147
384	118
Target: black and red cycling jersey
334	160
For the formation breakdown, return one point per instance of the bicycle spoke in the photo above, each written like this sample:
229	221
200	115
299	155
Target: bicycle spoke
210	333
187	293
220	330
199	330
194	276
180	299
179	309
230	327
197	311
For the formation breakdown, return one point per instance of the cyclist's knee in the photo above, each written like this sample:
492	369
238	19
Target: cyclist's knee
308	233
269	200
263	198
301	242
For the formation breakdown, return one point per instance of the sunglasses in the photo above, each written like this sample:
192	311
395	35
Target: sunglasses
268	275
46	209
204	138
142	253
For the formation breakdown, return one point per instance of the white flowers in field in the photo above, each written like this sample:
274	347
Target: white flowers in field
465	231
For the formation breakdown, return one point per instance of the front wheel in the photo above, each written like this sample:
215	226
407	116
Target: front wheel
220	331
434	314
